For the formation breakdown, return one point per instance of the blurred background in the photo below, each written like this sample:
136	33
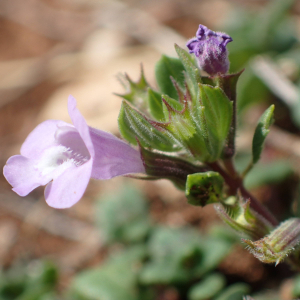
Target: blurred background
52	48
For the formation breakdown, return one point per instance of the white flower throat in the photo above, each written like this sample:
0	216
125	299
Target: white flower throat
69	151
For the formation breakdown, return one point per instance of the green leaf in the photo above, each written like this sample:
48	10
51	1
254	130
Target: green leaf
204	188
163	273
208	287
173	256
235	292
133	125
181	255
29	283
123	216
191	68
115	279
164	69
228	84
213	250
183	127
137	91
175	105
217	116
155	105
221	232
261	132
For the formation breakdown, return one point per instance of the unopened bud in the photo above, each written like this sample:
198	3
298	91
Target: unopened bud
210	50
276	246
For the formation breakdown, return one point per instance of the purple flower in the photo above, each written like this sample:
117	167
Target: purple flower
210	50
64	157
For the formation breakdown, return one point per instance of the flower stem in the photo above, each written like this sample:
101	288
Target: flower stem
235	184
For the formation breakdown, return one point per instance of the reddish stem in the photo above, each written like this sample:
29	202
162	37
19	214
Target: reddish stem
235	184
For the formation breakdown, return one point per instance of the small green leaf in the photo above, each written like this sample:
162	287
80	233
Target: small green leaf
115	279
191	68
175	105
213	250
173	254
133	125
34	283
217	116
183	128
155	105
204	188
235	292
261	132
162	273
208	287
164	69
221	232
137	92
228	84
123	216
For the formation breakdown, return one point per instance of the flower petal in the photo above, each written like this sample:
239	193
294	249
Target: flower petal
80	124
20	172
41	138
113	157
68	188
70	138
191	44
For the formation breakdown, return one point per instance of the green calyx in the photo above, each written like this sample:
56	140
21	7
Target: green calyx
159	165
204	188
190	115
280	243
238	214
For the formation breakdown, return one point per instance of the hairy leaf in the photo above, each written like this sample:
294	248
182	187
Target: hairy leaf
164	69
133	125
217	116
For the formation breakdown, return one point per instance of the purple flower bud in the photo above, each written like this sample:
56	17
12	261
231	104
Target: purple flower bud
210	50
64	157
